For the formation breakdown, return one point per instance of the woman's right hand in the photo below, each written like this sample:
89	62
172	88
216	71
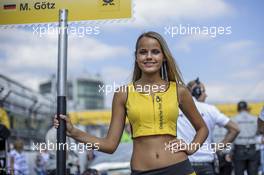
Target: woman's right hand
69	125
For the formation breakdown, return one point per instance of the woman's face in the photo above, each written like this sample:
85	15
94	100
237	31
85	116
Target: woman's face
149	55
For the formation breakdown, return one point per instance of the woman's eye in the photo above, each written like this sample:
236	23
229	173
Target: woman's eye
155	51
143	52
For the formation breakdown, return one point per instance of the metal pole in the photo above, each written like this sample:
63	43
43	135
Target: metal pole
61	91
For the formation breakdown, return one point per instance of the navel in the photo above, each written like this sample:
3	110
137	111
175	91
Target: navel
157	155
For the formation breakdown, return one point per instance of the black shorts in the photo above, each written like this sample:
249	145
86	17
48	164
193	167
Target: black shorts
181	168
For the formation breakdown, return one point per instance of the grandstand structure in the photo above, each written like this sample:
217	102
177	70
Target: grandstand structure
29	112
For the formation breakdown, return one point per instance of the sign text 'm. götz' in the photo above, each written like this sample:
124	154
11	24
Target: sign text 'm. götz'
43	11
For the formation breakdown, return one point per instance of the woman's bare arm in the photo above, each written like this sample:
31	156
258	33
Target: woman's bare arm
189	109
111	141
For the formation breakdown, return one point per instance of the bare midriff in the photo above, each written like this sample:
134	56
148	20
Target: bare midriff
149	153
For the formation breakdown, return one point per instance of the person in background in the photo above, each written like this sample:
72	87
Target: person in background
261	133
4	126
4	134
42	159
90	157
203	160
246	157
4	120
261	122
18	161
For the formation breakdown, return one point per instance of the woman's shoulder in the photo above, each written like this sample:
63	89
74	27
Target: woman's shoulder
182	88
179	87
122	91
182	91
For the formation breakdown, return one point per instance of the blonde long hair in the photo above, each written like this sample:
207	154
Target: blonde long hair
173	71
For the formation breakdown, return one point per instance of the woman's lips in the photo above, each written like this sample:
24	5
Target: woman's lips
149	64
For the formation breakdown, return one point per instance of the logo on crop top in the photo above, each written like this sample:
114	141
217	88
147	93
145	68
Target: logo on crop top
161	118
158	99
108	2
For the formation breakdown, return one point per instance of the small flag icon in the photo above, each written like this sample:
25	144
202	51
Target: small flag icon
10	7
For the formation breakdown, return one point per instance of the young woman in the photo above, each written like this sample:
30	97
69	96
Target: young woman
151	102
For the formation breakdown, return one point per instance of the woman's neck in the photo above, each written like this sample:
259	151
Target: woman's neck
151	79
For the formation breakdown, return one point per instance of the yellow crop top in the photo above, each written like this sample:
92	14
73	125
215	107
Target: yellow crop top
152	116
